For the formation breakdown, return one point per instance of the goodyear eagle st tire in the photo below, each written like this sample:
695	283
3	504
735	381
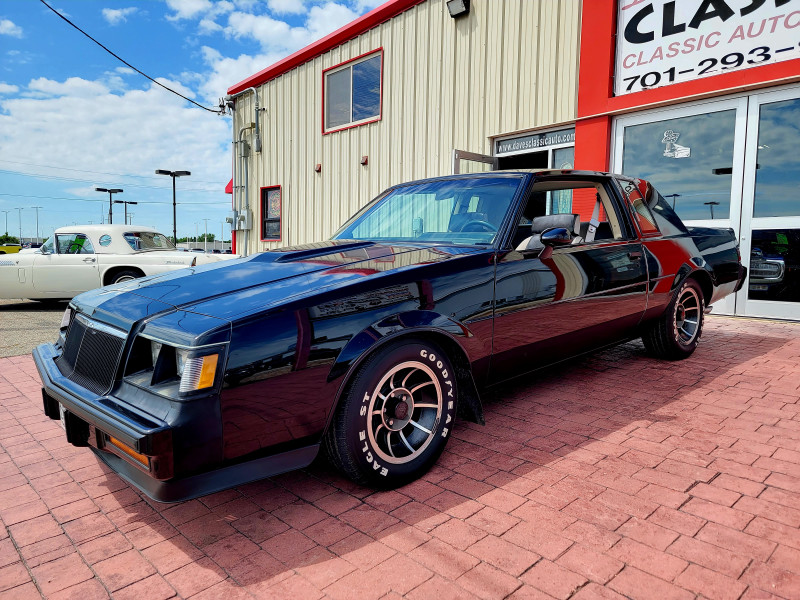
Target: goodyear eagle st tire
396	417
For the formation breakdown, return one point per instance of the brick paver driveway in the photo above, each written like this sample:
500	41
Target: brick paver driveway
615	476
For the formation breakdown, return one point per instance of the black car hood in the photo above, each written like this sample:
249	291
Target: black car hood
230	288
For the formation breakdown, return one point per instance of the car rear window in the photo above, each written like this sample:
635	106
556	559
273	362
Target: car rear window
147	240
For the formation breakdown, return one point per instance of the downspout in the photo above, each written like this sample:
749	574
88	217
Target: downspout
236	173
243	155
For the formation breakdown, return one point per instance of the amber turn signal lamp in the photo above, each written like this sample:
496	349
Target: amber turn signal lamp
127	450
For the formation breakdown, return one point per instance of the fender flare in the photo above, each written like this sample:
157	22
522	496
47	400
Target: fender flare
700	273
417	323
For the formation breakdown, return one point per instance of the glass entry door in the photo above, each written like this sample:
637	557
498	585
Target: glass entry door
730	163
694	156
770	228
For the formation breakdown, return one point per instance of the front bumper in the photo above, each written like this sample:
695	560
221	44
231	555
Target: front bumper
104	417
91	421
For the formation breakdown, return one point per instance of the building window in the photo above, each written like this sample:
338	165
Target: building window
352	92
271	214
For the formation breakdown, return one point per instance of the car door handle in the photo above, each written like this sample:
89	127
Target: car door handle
88	260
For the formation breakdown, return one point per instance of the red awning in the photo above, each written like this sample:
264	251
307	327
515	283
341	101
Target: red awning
229	187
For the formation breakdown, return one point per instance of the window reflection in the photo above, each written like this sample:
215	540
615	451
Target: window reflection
688	159
775	265
778	174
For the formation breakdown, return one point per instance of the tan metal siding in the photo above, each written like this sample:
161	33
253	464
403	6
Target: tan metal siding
509	66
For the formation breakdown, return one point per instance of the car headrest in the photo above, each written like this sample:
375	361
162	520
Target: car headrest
570	222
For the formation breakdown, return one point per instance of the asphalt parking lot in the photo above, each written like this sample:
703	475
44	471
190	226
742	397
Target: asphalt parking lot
616	476
25	324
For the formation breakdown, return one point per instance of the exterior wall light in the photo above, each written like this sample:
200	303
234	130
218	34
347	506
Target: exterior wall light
364	160
318	168
458	8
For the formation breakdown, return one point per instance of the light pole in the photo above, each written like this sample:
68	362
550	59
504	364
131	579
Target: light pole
125	202
205	239
20	222
6	211
221	236
173	174
711	206
37	222
673	196
195	233
110	200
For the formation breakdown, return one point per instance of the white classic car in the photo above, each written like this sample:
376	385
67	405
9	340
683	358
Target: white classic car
84	257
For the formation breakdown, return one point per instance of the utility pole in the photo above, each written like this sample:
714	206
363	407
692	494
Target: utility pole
205	240
19	212
6	211
37	222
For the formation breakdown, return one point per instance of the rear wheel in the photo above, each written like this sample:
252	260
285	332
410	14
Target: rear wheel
397	415
676	333
122	276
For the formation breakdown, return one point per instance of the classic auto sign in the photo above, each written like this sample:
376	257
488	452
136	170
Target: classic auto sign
661	42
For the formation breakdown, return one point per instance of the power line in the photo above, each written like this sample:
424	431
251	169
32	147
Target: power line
105	201
122	60
134	185
153	177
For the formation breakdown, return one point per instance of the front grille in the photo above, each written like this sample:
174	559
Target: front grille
91	354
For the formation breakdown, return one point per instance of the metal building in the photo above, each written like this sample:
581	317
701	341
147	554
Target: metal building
424	85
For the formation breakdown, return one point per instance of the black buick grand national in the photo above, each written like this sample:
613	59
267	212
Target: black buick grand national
369	345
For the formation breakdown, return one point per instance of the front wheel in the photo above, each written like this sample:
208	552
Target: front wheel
676	333
396	417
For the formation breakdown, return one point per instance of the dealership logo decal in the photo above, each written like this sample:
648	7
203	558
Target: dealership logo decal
674	150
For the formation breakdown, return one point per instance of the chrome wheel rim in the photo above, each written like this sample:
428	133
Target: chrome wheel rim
687	316
404	411
124	279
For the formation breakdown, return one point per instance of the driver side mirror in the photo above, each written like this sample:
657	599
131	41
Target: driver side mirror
556	236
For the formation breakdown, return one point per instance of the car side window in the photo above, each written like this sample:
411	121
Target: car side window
74	243
534	219
641	212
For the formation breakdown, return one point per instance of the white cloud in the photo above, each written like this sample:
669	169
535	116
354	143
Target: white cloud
6	88
115	16
227	71
327	18
293	7
9	28
208	26
80	124
188	9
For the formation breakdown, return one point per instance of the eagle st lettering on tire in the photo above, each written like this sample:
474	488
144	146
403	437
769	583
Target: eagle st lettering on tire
397	416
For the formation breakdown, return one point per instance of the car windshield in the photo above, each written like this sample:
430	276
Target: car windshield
468	210
147	240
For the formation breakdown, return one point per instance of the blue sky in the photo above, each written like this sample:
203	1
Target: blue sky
72	117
